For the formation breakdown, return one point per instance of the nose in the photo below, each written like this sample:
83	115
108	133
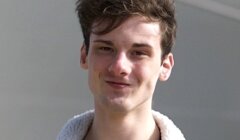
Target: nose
120	65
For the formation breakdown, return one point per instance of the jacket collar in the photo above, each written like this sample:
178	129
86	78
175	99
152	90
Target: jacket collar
77	127
168	130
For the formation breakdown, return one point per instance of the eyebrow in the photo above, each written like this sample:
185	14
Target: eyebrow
104	41
140	45
135	45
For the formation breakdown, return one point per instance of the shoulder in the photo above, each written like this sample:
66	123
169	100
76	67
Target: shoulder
76	127
169	131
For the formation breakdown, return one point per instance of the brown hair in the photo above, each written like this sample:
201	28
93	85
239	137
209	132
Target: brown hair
115	12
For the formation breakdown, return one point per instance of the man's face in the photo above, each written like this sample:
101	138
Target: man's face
125	64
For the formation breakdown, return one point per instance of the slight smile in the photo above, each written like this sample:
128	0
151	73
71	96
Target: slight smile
117	85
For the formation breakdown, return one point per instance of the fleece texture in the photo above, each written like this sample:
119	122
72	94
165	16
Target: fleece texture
77	127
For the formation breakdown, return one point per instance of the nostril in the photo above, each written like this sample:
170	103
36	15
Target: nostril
118	68
120	65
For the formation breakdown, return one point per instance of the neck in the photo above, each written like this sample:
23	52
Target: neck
138	125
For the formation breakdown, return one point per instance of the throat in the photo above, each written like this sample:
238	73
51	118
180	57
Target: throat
116	131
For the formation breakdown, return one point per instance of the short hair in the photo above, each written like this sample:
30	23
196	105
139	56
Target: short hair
93	13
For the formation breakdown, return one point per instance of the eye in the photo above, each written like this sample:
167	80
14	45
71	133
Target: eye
138	53
105	49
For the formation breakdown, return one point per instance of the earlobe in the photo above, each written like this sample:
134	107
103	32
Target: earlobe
83	57
166	67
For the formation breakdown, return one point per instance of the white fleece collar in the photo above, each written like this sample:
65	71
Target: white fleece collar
77	127
169	131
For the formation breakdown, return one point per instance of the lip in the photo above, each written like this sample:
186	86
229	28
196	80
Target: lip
118	84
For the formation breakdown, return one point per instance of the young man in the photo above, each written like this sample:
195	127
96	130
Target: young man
126	50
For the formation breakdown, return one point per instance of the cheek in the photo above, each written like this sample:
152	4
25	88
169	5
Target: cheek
93	72
97	67
93	66
91	77
148	70
147	74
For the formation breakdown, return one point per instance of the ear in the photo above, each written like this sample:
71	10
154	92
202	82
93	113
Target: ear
83	57
166	67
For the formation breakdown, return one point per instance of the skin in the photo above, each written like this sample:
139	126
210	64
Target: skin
124	66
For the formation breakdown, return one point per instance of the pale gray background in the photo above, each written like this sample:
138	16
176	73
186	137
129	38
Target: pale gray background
41	84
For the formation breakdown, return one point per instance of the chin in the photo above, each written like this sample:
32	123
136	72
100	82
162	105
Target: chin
117	105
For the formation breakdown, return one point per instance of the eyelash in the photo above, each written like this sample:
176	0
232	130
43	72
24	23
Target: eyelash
105	49
138	53
134	53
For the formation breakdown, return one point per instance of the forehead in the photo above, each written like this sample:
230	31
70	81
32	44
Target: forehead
135	27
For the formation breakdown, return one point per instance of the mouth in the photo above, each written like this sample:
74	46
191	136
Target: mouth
118	84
